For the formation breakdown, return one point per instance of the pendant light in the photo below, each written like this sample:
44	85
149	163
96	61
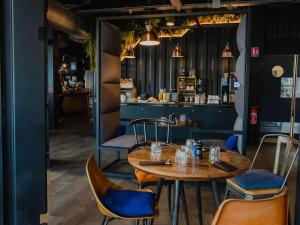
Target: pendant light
177	52
227	53
129	54
150	37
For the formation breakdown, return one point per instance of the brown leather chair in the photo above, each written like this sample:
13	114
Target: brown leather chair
271	211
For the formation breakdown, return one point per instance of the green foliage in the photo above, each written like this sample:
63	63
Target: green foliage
90	50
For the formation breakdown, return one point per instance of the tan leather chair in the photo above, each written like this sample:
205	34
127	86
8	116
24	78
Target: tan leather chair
271	211
99	184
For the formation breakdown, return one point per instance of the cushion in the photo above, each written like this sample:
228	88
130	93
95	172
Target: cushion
123	141
258	179
129	203
144	177
231	142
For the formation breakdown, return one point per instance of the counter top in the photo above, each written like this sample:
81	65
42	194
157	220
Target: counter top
186	104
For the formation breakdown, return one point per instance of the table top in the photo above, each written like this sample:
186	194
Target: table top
195	170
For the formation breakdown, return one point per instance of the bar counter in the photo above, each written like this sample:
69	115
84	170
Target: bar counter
217	120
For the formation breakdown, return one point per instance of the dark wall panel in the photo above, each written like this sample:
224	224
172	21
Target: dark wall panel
154	68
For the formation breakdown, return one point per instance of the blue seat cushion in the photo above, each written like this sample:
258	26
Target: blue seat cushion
129	203
258	179
231	142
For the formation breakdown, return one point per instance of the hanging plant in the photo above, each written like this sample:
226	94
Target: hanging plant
90	50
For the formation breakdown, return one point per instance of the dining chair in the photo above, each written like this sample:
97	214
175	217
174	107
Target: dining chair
270	211
144	138
116	202
261	183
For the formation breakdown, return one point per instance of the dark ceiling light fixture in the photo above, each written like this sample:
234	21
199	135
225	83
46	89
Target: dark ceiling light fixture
227	53
150	37
129	54
177	52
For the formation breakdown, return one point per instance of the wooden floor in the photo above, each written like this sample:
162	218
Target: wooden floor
71	200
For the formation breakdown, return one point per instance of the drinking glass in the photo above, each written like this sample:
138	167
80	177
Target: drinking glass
214	154
155	147
181	156
182	117
189	146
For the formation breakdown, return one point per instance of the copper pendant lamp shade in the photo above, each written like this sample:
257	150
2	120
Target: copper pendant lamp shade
149	38
129	54
227	53
177	52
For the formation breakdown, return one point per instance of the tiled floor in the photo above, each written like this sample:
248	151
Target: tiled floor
71	200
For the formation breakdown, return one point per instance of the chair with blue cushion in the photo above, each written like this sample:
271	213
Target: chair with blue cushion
115	202
261	183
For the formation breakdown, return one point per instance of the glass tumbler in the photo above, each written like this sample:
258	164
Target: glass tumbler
181	156
214	154
155	148
189	146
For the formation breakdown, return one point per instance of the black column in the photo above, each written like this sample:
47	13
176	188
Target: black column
24	96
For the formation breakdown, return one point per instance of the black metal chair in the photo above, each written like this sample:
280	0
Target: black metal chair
145	138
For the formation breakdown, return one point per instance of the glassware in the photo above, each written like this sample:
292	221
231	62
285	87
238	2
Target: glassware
189	146
181	156
214	154
155	147
182	117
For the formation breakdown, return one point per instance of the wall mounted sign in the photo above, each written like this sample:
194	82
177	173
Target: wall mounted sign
254	52
287	87
277	71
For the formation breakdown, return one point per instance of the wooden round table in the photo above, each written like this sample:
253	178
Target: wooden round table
195	170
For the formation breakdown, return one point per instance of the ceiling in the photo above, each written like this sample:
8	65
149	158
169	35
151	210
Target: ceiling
123	7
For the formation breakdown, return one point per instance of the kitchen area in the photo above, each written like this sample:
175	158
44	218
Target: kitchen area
192	73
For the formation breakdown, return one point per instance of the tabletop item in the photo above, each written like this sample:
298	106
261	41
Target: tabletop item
172	117
197	99
155	148
214	154
182	117
224	166
123	98
197	150
157	163
189	147
181	156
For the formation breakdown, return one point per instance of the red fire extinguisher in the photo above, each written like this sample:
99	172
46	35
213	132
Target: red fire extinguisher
253	115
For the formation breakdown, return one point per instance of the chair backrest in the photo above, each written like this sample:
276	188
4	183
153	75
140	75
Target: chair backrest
99	183
264	211
147	124
281	167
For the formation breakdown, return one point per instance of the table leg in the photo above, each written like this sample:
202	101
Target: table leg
216	193
198	201
185	211
178	184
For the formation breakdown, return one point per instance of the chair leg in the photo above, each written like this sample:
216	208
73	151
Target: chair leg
152	221
137	222
216	193
170	197
145	222
105	221
227	193
185	211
